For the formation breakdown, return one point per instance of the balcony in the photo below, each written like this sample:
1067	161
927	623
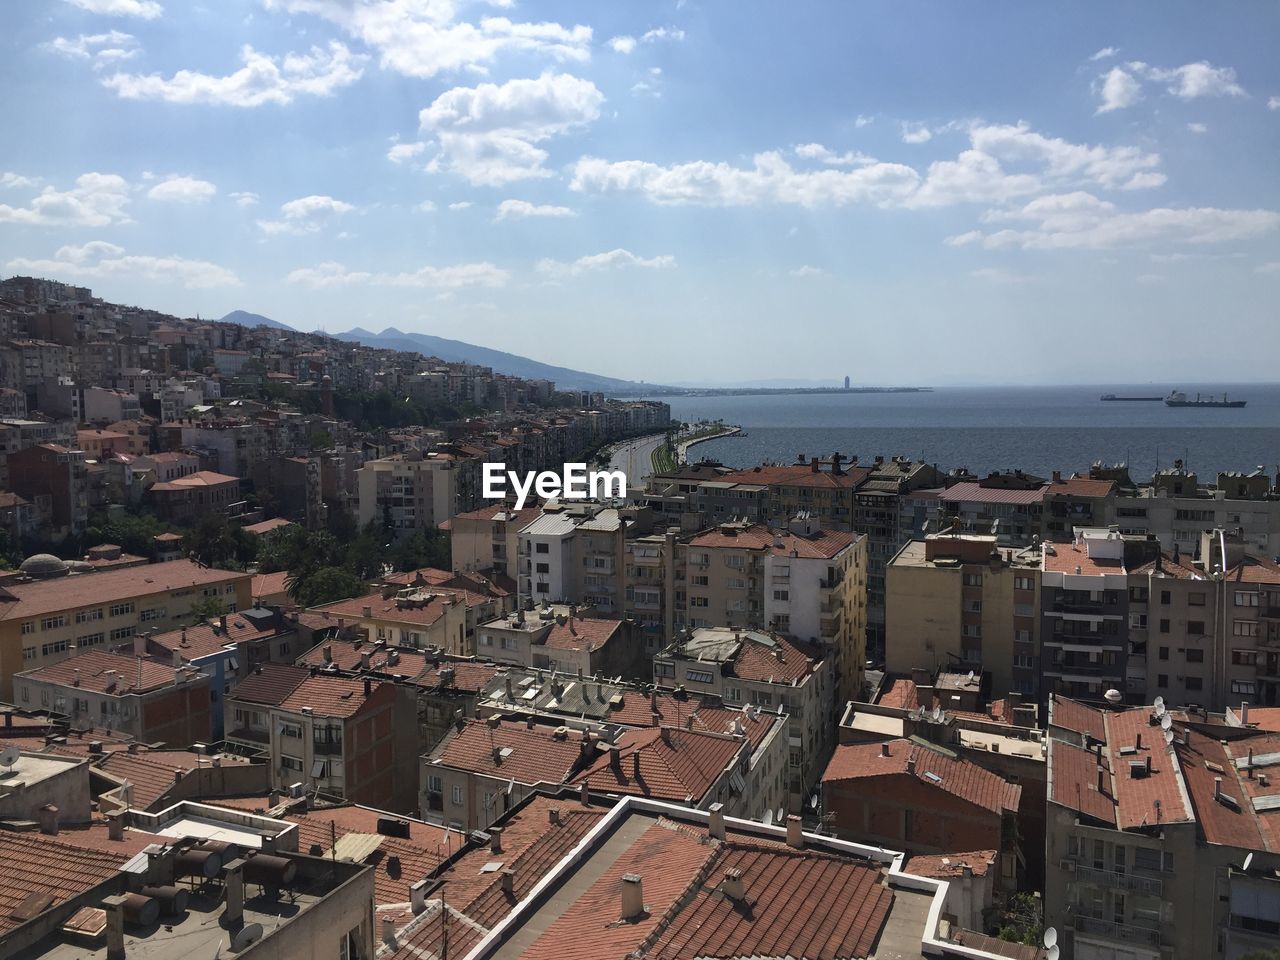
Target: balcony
1146	886
1133	932
326	748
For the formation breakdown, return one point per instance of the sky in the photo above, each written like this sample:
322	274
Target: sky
672	190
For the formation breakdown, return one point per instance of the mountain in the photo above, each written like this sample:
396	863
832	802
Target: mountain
246	319
456	351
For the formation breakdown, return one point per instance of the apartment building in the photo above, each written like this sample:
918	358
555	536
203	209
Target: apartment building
1008	506
768	672
823	489
961	602
55	475
193	496
418	616
575	552
562	640
144	698
344	737
416	490
488	539
45	618
1160	833
798	580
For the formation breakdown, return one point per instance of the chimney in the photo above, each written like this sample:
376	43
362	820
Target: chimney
115	825
115	926
733	887
1148	764
966	871
222	624
327	651
389	931
49	819
1101	772
911	765
364	661
615	756
795	832
635	765
1138	742
715	824
368	688
632	897
553	816
884	749
585	793
1217	788
1251	763
1244	714
234	913
418	896
495	839
509	882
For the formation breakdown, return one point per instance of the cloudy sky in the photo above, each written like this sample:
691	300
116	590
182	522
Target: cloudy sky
672	190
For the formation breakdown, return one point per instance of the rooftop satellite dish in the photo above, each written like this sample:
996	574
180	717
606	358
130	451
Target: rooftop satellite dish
9	757
247	935
971	676
1052	953
1166	722
1168	736
1050	937
1159	710
1159	703
1248	862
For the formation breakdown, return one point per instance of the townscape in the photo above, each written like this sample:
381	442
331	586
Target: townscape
279	681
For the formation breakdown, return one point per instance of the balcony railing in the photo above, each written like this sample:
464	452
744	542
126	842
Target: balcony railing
1118	932
1146	886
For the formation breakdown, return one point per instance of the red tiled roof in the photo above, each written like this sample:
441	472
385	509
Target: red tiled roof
799	475
33	865
89	671
1265	718
1073	715
346	654
581	634
945	866
269	584
104	586
823	545
423	614
264	527
788	661
708	715
536	755
901	695
673	764
1136	797
150	780
958	777
970	492
468	676
1074	781
339	697
269	684
206	638
201	478
1067	557
1080	487
1183	569
1238	826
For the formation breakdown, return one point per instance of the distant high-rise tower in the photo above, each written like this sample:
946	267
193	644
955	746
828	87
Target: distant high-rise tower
326	395
846	382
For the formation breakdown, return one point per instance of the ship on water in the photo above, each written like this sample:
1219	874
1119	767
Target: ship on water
1112	396
1179	399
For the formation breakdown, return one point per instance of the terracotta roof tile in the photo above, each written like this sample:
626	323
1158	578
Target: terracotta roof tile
799	475
468	676
785	662
971	492
90	671
943	867
339	697
346	655
269	684
1073	715
1074	785
673	764
535	756
1136	796
206	638
901	695
33	865
582	634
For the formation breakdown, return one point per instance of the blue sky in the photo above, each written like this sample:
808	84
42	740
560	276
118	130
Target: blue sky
672	191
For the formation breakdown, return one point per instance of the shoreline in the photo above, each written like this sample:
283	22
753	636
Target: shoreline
682	447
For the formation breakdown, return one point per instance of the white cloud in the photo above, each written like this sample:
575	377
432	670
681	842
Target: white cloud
102	48
183	190
401	152
1273	103
862	121
146	9
262	79
1117	90
806	271
816	151
1105	53
99	260
964	239
331	274
603	261
623	44
460	205
1082	221
426	206
770	179
1203	79
662	33
96	200
421	38
244	198
519	209
488	134
916	133
14	180
1105	166
306	215
1197	128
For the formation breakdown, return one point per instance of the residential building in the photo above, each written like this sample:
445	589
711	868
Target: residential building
1008	506
410	491
196	495
57	476
488	538
562	640
151	701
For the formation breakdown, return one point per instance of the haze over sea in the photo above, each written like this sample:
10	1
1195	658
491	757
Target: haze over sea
1036	429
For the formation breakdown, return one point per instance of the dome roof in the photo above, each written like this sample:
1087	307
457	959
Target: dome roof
44	566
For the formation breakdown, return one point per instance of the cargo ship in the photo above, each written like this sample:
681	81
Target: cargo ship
1179	399
1112	396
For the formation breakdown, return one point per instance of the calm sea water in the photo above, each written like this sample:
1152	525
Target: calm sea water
1038	429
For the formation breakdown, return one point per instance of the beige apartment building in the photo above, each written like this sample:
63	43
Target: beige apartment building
418	616
802	581
416	490
488	539
960	602
55	611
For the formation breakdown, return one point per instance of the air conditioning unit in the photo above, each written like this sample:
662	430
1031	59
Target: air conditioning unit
1068	865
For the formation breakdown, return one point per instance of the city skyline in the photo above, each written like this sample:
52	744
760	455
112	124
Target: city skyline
1016	190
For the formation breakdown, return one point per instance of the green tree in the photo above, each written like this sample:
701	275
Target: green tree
324	585
206	608
422	548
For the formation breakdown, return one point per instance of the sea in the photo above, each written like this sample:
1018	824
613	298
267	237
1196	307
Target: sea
1035	429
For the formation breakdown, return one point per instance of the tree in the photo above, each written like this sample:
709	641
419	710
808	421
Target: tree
1020	921
422	548
206	608
215	543
324	585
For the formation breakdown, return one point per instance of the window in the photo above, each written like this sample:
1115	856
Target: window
544	588
28	626
537	548
699	676
1138	621
1244	628
1023	583
782	595
122	633
973	579
733	694
291	730
90	639
1195	628
1244	658
58	646
1246	598
1164	653
1162	680
291	763
1195	599
1164	626
1193	683
698	601
154	613
121	609
53	623
1243	686
1195	656
761	699
84	616
542	567
28	653
700	581
457	795
1166	597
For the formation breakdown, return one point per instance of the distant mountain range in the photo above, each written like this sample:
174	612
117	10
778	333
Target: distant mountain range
246	319
456	351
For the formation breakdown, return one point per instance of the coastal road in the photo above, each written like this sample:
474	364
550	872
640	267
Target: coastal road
635	459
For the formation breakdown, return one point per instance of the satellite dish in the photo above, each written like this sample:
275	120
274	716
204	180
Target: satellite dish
1159	711
1052	953
1248	862
1168	736
1050	937
971	676
1159	703
9	756
1166	722
248	935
